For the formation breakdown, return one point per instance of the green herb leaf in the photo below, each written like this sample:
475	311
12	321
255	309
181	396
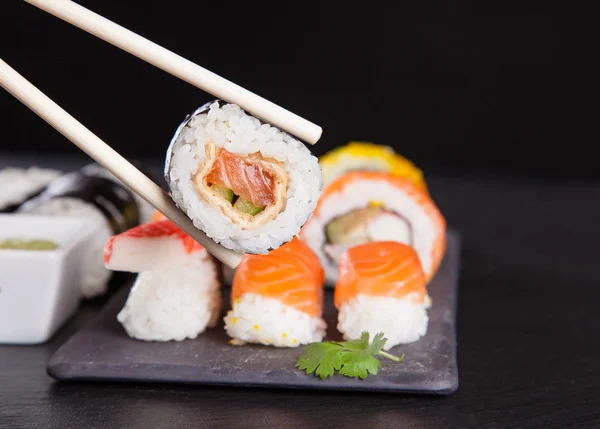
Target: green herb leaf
349	358
360	365
322	359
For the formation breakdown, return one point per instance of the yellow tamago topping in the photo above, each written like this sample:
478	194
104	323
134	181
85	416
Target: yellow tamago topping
369	157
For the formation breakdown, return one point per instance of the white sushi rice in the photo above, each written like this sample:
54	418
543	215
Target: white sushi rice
173	304
402	321
358	195
262	320
96	276
243	135
18	184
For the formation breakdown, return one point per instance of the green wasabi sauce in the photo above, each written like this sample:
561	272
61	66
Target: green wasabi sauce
19	244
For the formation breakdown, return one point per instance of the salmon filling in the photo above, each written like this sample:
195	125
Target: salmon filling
247	180
250	190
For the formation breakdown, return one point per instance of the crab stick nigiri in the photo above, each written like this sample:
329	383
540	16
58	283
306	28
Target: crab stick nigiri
176	294
381	288
277	299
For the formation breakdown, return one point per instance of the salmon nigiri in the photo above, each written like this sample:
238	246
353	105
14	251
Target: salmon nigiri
381	287
277	299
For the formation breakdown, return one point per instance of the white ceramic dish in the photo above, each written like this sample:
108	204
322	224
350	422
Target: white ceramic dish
40	290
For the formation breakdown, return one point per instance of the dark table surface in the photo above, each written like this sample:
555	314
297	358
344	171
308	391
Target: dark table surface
528	344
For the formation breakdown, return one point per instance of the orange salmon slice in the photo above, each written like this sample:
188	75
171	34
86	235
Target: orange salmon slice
292	274
384	268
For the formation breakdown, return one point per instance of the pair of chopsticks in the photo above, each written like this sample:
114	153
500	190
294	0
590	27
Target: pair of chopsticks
170	62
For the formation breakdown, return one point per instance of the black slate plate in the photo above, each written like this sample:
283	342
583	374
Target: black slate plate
103	351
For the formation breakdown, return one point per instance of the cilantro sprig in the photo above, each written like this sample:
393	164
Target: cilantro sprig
349	358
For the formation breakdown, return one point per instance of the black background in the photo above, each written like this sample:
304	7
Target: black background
451	85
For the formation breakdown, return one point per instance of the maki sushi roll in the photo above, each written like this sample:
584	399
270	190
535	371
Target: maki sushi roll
246	184
366	206
363	156
176	294
277	299
109	207
381	288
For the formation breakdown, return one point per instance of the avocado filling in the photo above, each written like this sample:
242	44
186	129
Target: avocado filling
224	192
246	206
240	204
364	225
351	228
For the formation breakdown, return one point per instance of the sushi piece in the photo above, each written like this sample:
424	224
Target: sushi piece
363	156
366	206
176	294
17	185
246	184
277	299
381	288
110	207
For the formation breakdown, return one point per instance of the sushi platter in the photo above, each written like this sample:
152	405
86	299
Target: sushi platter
104	352
347	273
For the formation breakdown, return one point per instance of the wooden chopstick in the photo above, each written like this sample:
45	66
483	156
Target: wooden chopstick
180	67
87	141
